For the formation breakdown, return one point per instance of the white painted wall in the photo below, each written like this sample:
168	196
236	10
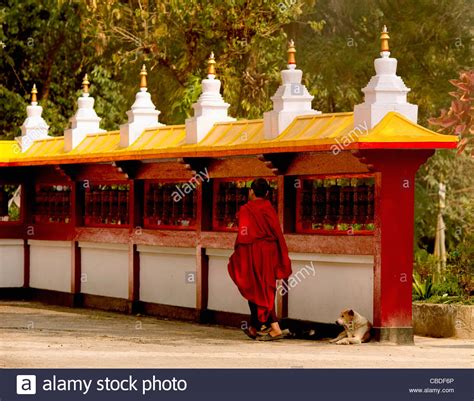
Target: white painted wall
11	263
104	269
223	293
50	265
340	282
168	275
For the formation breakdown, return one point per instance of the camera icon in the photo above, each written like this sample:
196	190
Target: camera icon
26	384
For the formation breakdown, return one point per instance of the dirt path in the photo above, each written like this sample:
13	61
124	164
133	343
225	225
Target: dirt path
40	336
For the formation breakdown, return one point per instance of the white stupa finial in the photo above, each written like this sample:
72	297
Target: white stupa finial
292	99
210	107
34	127
142	115
385	91
85	121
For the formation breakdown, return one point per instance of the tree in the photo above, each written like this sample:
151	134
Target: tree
175	38
459	119
340	39
44	44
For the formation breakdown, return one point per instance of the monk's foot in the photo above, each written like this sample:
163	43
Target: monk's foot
275	333
251	332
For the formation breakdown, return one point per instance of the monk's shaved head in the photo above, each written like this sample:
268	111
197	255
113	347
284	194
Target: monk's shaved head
260	187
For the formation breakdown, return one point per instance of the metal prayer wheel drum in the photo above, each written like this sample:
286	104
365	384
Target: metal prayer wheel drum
346	205
332	204
361	196
370	205
307	201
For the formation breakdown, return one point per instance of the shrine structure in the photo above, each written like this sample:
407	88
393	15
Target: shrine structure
143	219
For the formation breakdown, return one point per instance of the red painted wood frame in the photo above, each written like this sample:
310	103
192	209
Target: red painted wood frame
89	202
193	223
215	194
393	238
21	217
299	195
70	206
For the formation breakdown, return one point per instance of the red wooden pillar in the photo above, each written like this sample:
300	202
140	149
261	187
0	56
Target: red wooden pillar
281	300
136	200
76	221
203	220
394	226
26	210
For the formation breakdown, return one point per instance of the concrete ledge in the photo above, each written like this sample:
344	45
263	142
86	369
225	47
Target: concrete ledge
440	320
166	311
52	297
106	303
397	335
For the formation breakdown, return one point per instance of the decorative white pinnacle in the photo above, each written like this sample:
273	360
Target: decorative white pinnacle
209	109
84	122
385	91
291	99
34	127
142	115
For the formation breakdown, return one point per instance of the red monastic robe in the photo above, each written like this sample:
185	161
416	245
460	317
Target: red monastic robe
260	256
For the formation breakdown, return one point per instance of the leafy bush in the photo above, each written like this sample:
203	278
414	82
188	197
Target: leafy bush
448	287
422	289
455	284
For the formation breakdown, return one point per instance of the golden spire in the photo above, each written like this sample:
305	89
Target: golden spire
291	52
384	40
143	74
211	65
85	84
34	91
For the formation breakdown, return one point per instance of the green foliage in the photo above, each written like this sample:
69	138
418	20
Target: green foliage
53	43
455	285
445	299
422	289
456	173
430	39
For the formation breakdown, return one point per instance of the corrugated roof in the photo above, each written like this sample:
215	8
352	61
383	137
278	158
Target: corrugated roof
311	132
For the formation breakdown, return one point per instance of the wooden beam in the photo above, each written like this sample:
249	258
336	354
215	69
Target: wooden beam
26	264
197	164
99	172
238	167
63	172
133	274
128	168
75	268
278	163
163	170
202	281
325	163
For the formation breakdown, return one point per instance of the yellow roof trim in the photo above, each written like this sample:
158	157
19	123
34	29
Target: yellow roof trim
397	128
304	132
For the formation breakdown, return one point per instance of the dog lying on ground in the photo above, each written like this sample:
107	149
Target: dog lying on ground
356	328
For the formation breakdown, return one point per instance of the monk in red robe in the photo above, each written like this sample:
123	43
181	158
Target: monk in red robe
259	259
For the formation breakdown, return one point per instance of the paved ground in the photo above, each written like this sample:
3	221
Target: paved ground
36	335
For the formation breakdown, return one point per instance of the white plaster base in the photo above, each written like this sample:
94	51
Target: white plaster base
104	269
50	265
11	263
223	293
168	275
340	282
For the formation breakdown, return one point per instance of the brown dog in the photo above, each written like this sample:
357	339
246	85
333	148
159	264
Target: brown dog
356	328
